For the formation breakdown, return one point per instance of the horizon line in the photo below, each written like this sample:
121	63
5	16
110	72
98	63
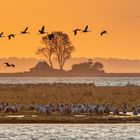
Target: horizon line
97	57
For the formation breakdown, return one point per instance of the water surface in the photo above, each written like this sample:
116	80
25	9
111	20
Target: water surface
69	132
98	81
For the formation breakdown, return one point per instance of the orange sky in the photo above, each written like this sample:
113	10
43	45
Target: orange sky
120	17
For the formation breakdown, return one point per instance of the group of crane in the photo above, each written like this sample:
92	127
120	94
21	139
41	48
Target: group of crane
85	30
40	31
50	36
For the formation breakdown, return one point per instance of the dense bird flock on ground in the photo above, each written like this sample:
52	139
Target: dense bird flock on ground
70	109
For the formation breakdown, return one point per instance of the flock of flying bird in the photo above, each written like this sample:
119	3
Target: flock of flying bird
41	31
85	30
50	36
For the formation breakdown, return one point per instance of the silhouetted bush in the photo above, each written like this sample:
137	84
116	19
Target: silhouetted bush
89	66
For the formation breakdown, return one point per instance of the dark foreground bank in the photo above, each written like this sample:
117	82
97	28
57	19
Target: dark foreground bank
70	119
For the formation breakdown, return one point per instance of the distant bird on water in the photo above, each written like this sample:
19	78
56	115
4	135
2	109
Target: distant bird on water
86	29
103	32
25	31
11	36
1	34
76	31
51	36
9	65
42	31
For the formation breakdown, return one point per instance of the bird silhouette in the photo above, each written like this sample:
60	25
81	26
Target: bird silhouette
11	36
86	30
103	32
25	31
12	65
76	31
51	36
42	31
1	34
9	65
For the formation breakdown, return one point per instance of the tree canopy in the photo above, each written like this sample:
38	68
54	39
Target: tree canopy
59	47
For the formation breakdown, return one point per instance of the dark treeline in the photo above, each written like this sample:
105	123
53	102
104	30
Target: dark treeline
89	66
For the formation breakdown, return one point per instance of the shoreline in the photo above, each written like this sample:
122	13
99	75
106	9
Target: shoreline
71	120
67	74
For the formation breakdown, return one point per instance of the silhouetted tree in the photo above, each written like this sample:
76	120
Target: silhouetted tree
63	48
90	61
60	47
89	66
85	66
98	66
47	51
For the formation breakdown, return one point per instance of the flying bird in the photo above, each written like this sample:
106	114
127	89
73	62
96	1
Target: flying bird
12	65
86	29
76	31
25	31
42	31
1	34
11	36
51	36
9	65
103	32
